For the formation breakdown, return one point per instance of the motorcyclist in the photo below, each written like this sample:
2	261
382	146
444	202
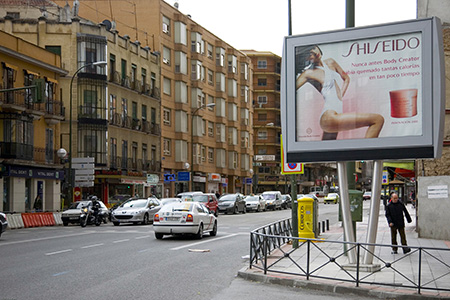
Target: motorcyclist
95	208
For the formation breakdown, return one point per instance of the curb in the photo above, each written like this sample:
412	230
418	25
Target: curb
338	287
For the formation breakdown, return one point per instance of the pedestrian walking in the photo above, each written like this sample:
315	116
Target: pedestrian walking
395	215
37	206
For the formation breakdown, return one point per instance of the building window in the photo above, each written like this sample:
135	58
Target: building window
166	25
144	154
92	142
210	77
262	135
210	129
112	107
262	117
211	155
124	154
113	155
262	99
262	82
167	88
166	116
167	145
262	64
210	51
166	55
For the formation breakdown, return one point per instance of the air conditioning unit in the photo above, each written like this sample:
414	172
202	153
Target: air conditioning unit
166	61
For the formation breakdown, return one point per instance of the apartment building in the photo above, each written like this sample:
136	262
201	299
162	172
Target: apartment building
30	125
206	84
116	113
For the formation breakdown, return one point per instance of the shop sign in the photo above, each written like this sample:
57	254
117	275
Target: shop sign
152	178
35	173
214	177
169	177
199	179
184	176
264	157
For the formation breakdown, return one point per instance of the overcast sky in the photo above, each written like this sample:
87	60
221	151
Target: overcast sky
262	24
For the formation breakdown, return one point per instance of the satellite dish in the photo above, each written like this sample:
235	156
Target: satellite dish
108	24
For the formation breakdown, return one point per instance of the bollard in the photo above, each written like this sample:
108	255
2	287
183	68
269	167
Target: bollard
328	224
318	226
323	226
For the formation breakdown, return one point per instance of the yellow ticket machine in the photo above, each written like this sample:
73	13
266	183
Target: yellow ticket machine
306	218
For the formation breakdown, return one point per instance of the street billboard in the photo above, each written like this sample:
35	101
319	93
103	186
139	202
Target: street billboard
364	93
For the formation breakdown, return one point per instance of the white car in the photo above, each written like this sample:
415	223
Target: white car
184	218
72	214
136	211
273	199
255	203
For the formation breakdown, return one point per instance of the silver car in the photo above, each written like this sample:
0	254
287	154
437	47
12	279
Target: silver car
3	223
136	211
255	203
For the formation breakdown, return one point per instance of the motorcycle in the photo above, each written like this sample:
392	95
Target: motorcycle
89	217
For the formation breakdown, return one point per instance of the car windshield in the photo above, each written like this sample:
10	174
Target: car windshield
332	195
185	206
165	201
135	203
227	198
78	204
251	198
200	198
268	196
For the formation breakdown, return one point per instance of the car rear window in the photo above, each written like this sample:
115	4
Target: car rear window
185	206
200	198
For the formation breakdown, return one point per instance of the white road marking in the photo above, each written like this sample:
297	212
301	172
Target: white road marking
91	246
204	242
121	241
46	238
141	237
58	252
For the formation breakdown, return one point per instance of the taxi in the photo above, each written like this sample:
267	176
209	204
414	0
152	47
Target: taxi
188	217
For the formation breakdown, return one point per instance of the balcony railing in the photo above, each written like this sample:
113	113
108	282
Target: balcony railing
11	150
130	164
25	99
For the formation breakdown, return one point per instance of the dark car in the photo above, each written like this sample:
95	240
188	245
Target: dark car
3	223
286	201
232	203
72	214
209	200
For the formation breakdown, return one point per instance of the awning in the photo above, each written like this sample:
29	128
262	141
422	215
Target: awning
52	80
32	73
10	66
407	165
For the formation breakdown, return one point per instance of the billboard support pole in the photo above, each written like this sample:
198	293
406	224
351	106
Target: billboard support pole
346	215
374	210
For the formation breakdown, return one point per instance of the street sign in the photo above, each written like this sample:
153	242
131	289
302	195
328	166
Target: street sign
290	168
84	183
385	178
84	172
82	160
184	176
83	166
152	178
169	177
84	178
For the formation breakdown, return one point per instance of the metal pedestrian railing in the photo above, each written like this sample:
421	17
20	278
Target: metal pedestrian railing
272	250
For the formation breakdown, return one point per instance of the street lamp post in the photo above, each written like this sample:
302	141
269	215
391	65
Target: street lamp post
69	175
194	113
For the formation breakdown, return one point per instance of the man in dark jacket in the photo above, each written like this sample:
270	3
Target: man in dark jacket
394	215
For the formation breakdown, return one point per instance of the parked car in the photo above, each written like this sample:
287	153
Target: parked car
286	201
255	203
72	214
165	201
331	198
367	195
273	199
209	200
117	200
136	211
184	218
3	223
232	203
188	195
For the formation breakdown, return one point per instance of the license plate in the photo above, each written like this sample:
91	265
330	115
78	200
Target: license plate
172	218
74	218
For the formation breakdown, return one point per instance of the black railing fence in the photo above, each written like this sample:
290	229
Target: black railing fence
424	268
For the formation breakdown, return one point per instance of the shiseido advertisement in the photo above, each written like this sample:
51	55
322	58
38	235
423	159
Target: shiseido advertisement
359	89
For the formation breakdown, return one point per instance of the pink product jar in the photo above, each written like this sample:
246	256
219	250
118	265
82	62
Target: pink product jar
403	103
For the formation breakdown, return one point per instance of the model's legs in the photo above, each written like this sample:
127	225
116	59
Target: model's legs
394	238
334	122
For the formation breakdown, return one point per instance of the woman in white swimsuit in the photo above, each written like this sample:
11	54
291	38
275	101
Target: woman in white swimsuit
332	118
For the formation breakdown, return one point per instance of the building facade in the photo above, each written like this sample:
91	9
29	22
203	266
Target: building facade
115	114
30	122
206	85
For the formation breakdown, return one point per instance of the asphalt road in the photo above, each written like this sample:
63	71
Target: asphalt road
127	262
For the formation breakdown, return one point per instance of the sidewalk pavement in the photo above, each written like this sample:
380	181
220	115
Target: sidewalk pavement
404	270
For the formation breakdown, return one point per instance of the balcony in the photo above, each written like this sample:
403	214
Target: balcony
151	128
11	150
115	77
137	165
